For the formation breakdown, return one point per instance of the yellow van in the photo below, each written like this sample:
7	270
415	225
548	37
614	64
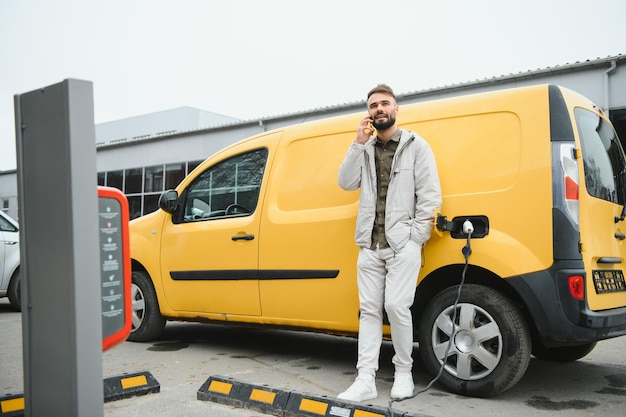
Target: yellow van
261	233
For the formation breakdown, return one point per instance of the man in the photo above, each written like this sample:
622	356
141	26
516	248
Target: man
400	192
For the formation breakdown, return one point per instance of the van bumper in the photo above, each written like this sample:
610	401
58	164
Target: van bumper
559	318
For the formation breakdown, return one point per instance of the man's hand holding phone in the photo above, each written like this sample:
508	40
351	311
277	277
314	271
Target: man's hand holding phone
366	130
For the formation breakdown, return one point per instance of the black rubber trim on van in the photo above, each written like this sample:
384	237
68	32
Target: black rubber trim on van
560	318
253	274
560	122
566	238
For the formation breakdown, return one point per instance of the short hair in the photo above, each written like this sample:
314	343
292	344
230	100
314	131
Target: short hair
381	88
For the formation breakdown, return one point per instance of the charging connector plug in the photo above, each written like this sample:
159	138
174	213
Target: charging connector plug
468	227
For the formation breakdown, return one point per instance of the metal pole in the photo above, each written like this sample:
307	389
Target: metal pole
58	206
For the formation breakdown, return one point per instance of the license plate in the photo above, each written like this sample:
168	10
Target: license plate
608	281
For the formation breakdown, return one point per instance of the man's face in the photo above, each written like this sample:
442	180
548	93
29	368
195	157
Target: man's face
382	109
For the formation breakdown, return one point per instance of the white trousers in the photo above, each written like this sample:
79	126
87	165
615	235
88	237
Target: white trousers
387	280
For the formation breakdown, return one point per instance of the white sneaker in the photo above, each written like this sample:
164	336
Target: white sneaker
402	386
361	390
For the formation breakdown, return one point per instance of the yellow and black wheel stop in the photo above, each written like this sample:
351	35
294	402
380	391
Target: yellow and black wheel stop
284	403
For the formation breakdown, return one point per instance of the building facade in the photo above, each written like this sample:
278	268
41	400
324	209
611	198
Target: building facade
145	155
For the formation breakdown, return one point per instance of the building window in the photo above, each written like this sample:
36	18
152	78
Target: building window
153	181
174	174
133	179
115	179
151	203
192	165
618	118
143	186
134	206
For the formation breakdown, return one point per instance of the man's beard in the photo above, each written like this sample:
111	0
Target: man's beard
380	125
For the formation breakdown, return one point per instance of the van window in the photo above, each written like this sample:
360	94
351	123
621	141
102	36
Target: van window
230	188
603	157
6	226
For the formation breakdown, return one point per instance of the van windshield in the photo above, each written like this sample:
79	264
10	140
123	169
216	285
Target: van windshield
603	157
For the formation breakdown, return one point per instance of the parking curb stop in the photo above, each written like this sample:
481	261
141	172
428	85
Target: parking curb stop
12	405
130	385
223	390
115	388
285	403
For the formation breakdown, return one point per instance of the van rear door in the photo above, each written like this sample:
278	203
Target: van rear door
602	199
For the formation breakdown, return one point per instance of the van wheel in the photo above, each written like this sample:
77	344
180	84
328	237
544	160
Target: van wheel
148	323
490	348
14	292
562	353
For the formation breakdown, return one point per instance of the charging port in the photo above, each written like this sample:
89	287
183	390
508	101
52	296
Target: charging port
455	226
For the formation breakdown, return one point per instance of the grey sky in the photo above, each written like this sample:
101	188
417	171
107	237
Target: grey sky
254	58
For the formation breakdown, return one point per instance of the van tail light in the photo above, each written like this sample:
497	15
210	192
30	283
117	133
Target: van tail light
571	189
576	284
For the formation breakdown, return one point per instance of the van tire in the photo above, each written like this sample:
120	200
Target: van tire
14	292
563	353
147	321
483	313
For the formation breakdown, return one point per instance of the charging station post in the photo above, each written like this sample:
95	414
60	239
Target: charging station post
58	206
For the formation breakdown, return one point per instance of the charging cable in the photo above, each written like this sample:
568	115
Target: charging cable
468	229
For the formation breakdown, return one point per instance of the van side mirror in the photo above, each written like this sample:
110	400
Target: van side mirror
168	201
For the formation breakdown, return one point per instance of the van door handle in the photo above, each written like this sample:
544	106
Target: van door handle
242	237
620	236
609	260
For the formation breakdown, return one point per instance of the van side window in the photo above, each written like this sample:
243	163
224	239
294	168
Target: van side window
5	226
603	157
230	188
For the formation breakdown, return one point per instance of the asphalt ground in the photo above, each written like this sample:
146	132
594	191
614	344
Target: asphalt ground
189	354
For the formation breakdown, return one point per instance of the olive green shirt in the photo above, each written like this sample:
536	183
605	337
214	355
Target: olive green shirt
384	158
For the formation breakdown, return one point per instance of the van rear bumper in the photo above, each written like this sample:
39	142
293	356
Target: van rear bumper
559	318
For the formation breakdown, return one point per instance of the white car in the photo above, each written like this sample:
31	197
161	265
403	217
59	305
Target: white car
10	280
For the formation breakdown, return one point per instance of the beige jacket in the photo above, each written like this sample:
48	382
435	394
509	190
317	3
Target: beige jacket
414	191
